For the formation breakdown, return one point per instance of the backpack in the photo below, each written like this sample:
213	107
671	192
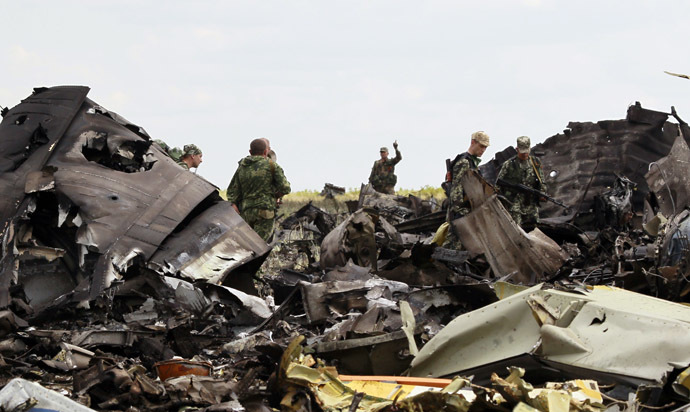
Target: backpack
447	183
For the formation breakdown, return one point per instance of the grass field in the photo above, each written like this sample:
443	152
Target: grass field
296	200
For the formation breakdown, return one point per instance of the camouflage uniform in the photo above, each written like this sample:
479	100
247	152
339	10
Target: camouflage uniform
458	206
174	152
524	207
382	177
254	189
182	164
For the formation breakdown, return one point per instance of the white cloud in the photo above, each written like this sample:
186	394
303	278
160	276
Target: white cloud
414	92
533	3
351	76
147	46
210	34
21	57
117	100
202	98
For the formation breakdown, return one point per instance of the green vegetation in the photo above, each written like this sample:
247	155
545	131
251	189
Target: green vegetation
294	201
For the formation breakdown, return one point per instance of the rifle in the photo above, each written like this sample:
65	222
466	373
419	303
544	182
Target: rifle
446	184
535	192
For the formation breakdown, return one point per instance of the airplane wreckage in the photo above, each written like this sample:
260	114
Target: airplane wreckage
128	283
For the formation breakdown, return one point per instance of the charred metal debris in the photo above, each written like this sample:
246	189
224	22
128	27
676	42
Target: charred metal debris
127	283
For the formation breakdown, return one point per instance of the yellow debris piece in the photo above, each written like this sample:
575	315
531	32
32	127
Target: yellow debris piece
682	383
441	234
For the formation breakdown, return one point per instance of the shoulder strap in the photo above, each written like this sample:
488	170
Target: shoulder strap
459	158
535	161
532	161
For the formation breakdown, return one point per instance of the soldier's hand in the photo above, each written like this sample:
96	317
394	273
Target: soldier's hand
395	144
234	206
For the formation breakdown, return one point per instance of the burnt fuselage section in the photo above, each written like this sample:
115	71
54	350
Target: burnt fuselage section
88	197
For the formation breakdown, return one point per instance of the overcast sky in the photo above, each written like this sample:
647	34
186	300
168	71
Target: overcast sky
329	82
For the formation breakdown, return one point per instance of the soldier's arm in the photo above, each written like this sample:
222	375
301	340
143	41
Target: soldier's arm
504	170
282	186
234	192
398	156
503	173
457	194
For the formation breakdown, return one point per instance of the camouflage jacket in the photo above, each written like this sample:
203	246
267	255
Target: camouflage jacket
527	172
383	171
458	205
257	183
182	164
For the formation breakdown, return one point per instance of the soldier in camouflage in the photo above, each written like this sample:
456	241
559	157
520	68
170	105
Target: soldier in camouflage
524	169
382	177
459	206
256	187
191	157
175	153
271	154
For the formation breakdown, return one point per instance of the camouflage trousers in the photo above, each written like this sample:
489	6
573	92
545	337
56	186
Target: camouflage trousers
261	221
389	190
452	239
526	218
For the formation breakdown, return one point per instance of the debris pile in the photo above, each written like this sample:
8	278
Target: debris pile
127	283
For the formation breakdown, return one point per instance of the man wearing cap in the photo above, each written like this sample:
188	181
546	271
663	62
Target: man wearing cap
256	187
523	169
382	177
459	206
191	157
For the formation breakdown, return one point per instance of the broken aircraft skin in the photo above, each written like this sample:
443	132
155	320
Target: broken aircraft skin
101	214
526	257
570	330
587	157
622	175
86	196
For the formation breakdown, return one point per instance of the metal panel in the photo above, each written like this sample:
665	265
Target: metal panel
99	190
222	242
668	179
490	230
564	328
583	161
